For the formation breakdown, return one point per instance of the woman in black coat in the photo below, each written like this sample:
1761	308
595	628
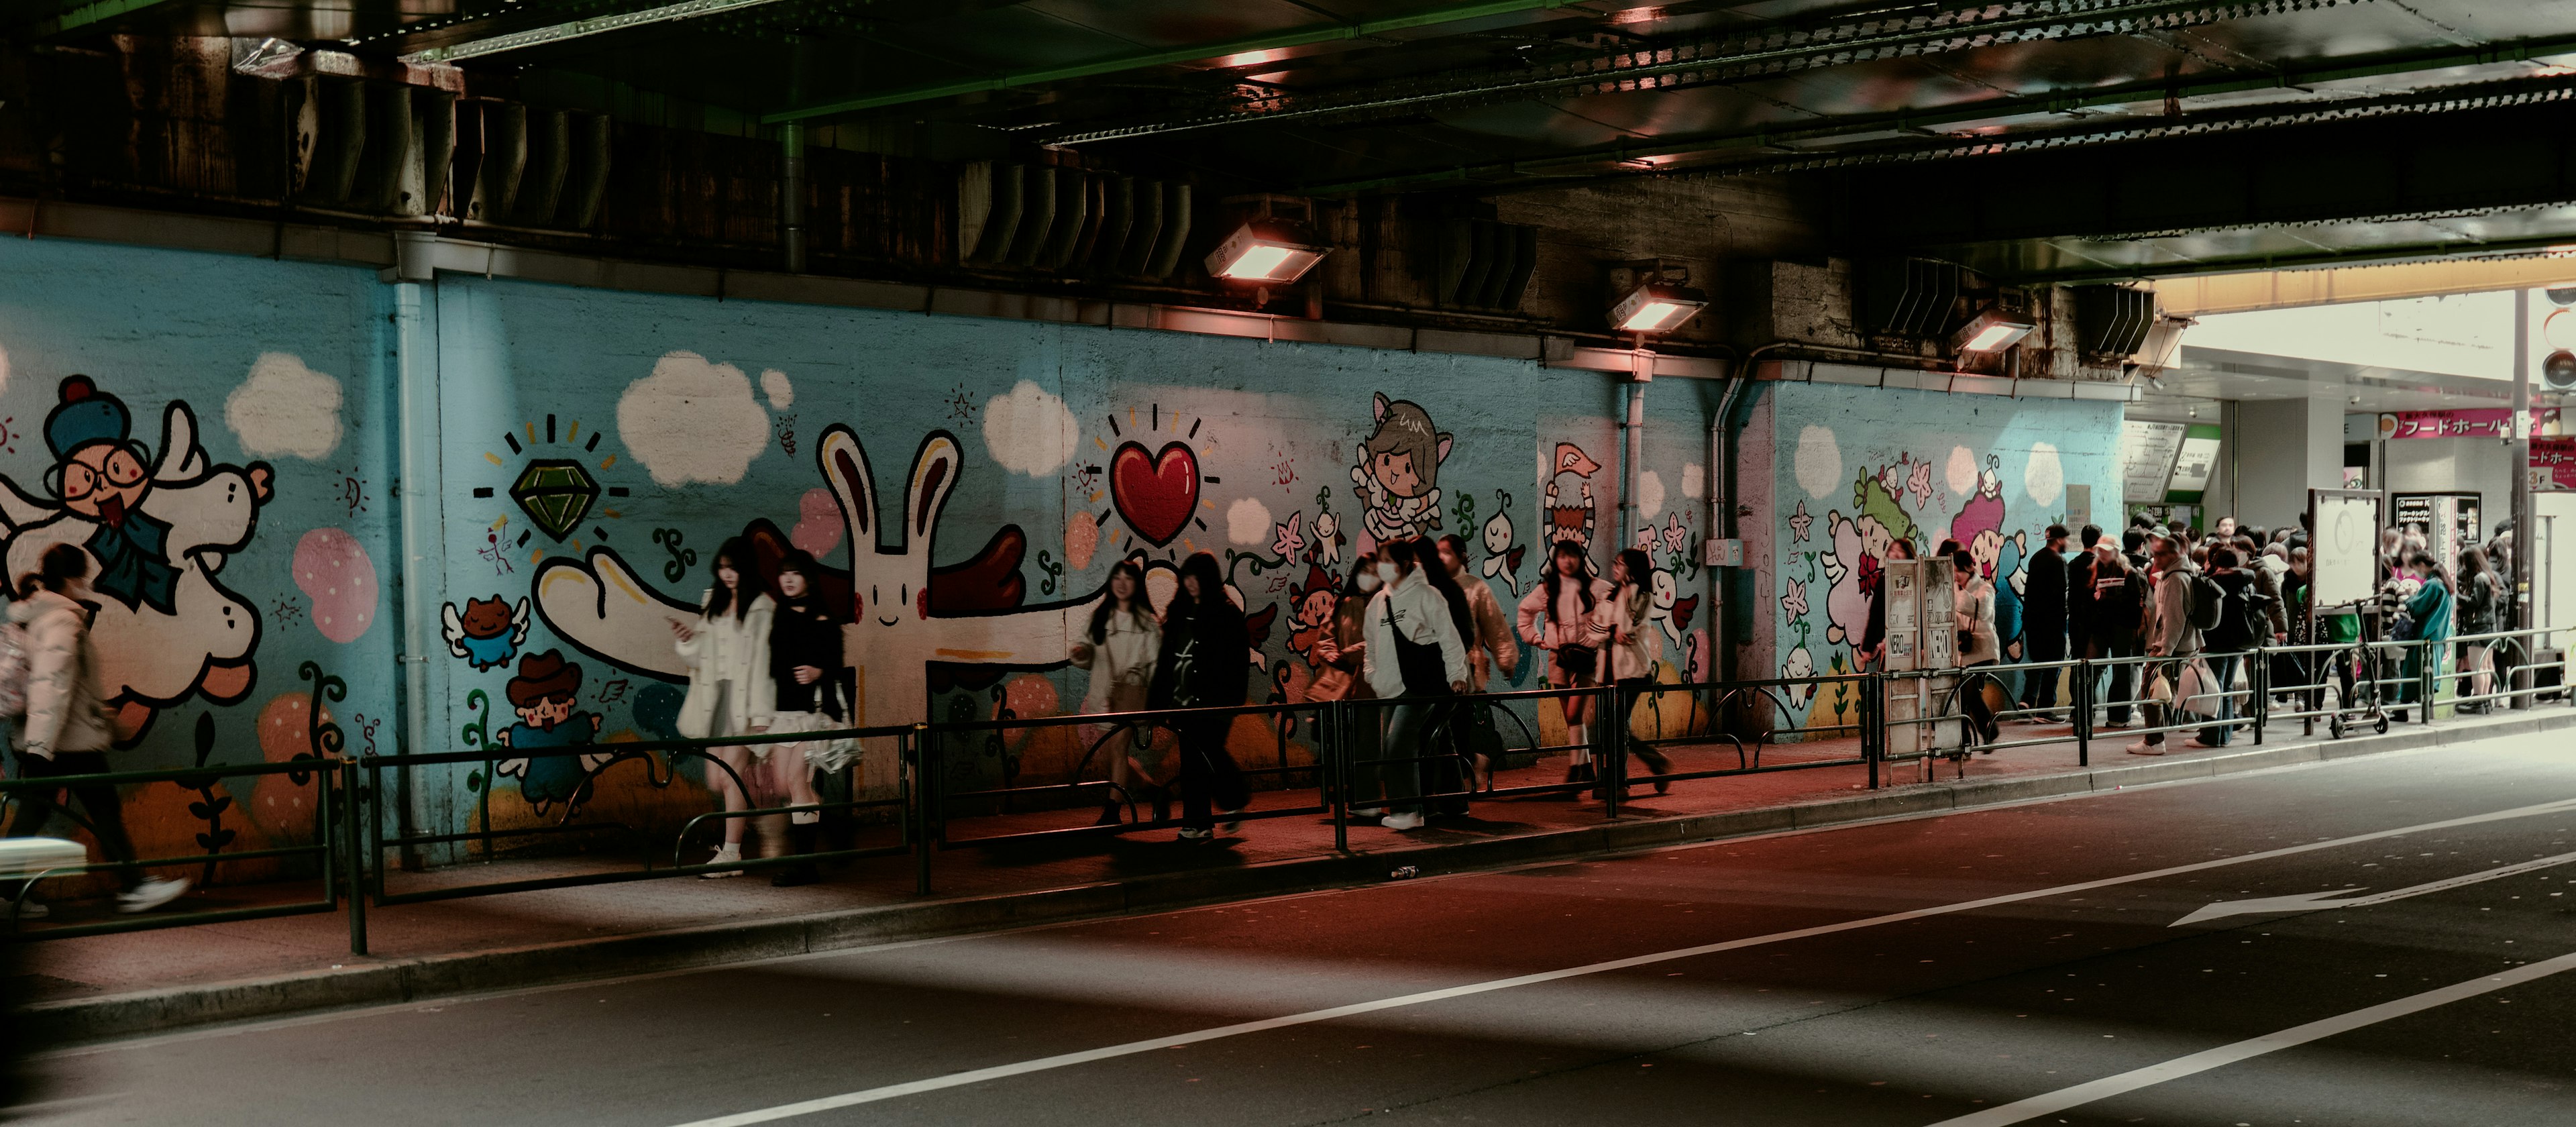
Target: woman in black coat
1205	662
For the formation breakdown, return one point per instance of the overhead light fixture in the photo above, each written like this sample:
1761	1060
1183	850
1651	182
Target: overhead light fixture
1265	251
1656	308
1991	331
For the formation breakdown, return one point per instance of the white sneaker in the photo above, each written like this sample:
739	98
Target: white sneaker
1197	835
33	909
149	895
1229	826
1401	821
2142	747
729	855
1369	812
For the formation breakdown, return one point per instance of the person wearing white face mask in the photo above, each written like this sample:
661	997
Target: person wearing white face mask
1341	675
1414	652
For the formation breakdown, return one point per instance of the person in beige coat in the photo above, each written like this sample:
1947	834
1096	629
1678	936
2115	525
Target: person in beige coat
1493	647
66	729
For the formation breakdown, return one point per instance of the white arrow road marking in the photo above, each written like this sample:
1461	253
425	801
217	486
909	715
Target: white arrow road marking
2319	901
1185	1040
2109	1086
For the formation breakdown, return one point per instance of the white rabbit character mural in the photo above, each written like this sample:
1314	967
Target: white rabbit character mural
905	614
158	527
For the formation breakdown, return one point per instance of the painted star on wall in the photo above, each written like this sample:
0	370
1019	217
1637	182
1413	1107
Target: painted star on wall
1799	522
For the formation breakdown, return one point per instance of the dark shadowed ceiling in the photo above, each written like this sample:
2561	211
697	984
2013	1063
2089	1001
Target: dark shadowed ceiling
2039	139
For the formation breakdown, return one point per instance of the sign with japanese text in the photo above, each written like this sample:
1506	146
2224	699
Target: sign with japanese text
2466	422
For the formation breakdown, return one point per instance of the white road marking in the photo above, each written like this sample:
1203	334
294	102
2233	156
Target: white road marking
2319	901
2109	1086
1183	1040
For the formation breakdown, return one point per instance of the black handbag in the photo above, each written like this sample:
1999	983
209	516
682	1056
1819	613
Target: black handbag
1577	660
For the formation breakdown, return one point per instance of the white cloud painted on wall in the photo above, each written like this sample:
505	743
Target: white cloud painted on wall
1694	480
782	394
4	371
1247	522
693	420
1029	431
1650	494
1960	473
2044	478
1819	461
284	407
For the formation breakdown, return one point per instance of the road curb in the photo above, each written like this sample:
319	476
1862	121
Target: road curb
395	981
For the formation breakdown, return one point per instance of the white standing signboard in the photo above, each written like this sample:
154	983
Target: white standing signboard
2147	451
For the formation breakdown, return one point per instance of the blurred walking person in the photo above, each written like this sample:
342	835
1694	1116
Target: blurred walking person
1491	647
2479	600
66	730
1633	644
2043	624
1415	657
1204	662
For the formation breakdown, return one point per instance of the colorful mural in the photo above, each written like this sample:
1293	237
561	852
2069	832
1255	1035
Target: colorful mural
1940	475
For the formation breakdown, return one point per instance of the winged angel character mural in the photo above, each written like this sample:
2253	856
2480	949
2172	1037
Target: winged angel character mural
158	525
909	620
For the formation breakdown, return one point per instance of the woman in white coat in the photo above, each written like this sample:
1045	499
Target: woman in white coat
730	691
1119	649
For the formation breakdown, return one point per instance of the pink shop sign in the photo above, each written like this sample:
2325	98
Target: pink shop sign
2468	422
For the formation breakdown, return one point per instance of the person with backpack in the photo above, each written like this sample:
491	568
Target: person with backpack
1414	656
65	730
2173	635
2116	611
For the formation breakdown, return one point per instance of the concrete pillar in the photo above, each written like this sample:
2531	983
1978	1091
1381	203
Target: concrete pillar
2283	448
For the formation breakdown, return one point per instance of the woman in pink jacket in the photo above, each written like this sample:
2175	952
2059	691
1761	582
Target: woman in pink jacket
1565	597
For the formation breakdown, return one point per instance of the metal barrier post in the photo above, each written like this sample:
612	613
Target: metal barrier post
2258	682
915	752
1335	721
1611	763
2428	664
2083	704
1873	728
353	809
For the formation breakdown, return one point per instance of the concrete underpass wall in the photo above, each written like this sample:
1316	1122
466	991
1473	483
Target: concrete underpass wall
257	546
576	456
1854	468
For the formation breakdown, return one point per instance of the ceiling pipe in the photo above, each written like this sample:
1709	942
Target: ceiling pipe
1271	41
1768	49
2504	91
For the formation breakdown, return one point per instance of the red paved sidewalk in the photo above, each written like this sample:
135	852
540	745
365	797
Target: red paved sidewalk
113	964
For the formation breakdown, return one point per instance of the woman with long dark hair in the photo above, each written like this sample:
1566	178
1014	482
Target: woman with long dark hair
1203	662
2428	618
2479	596
805	663
1633	645
1119	648
1565	597
730	689
1340	658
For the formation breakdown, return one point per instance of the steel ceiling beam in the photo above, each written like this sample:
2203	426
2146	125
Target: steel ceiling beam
1917	29
84	15
575	29
2288	76
1269	41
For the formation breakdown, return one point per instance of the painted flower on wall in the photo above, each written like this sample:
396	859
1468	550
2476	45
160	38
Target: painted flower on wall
1287	540
1795	602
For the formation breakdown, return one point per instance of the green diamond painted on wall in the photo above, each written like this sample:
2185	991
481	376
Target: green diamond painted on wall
556	493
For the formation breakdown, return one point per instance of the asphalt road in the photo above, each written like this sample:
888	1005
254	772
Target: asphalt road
2001	966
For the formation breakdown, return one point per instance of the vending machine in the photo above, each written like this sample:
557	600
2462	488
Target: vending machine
1922	635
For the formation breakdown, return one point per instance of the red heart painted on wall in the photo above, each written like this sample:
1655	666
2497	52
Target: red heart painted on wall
1155	493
